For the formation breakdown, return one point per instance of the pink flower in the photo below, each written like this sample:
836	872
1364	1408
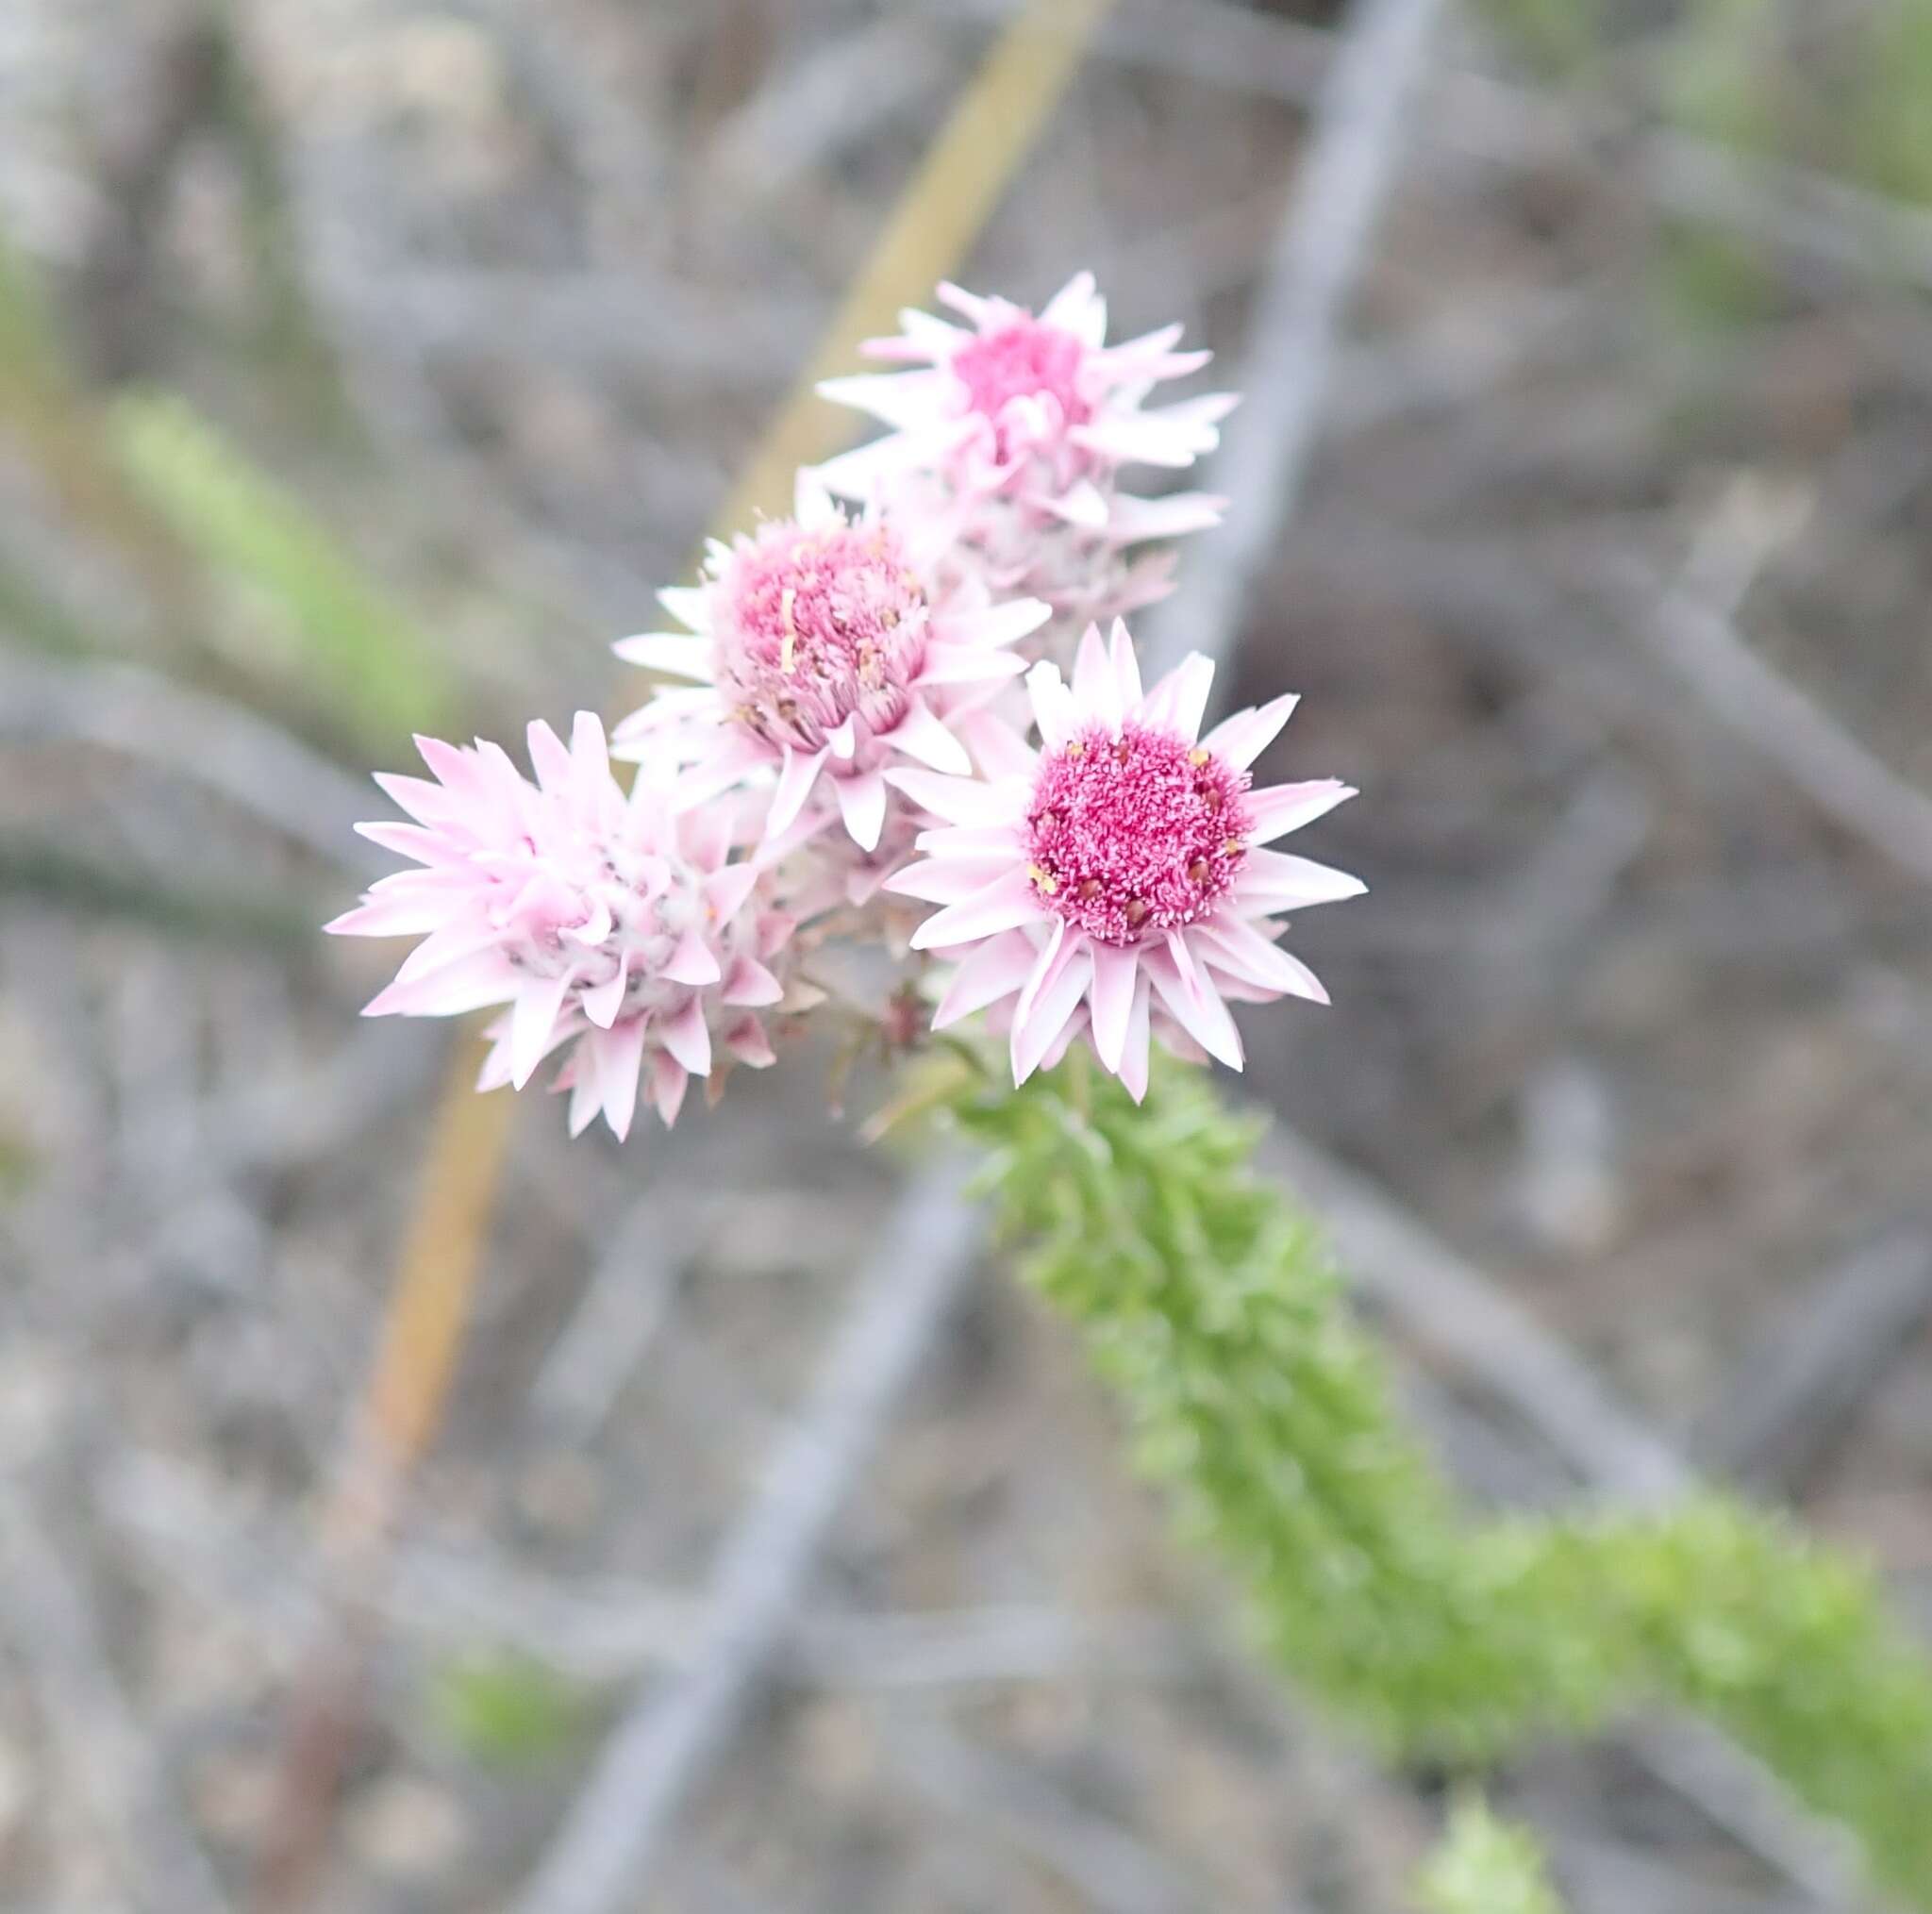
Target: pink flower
828	648
1118	885
1012	433
617	926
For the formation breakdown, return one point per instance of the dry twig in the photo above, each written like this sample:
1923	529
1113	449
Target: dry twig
604	1852
106	1758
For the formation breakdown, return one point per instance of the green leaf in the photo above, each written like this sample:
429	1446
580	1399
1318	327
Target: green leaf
1485	1865
1252	1395
359	653
507	1710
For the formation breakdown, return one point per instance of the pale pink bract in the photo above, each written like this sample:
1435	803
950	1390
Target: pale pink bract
1118	886
619	928
1010	434
827	648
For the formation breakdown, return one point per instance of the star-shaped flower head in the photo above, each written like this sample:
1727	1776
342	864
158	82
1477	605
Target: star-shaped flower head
1011	432
621	928
1119	884
828	648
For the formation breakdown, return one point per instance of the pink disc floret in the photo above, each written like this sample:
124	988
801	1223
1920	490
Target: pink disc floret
1136	833
820	626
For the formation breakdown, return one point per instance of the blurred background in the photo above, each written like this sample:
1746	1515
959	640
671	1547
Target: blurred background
365	365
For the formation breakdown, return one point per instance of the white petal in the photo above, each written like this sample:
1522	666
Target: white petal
998	749
693	961
862	805
968	841
687	1037
1242	739
967	664
921	735
401	915
861	472
945	880
811	501
1081	506
931	336
1195	1005
1096	691
843	742
1072	306
450	943
1284	808
620	1058
589	757
549	758
1155	344
796	777
1229	944
1111	1002
468	983
1011	621
749	1045
586	1089
675	653
594	928
1133	1071
704	835
995	970
976	308
1053	958
901	399
1035	1035
962	800
533	1023
602	1004
1127	666
667	709
751	986
725	890
1180	698
669	1078
1274	880
1054	709
434	803
1172	516
1004	903
1145	438
688	604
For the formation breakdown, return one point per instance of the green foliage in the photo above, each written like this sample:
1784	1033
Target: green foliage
507	1711
1892	133
1851	95
1712	281
1553	37
1254	1397
1725	78
34	618
1485	1865
29	342
364	659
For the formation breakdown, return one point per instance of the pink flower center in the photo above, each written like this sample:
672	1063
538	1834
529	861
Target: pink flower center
651	902
1132	834
1023	361
819	626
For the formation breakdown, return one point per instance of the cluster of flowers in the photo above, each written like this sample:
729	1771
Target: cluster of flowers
851	746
